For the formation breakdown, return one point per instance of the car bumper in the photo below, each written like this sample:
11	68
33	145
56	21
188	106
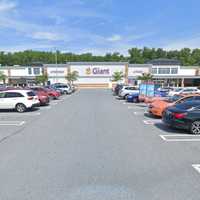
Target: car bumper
155	111
176	123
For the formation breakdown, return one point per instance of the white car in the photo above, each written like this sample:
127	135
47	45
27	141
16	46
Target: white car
127	90
186	90
65	88
20	100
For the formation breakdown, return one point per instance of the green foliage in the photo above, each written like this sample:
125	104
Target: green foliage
117	76
146	77
2	77
42	79
136	55
72	76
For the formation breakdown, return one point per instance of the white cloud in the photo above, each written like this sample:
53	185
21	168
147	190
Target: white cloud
6	5
178	44
46	36
115	38
31	46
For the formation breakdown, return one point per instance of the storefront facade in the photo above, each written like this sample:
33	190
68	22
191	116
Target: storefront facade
99	74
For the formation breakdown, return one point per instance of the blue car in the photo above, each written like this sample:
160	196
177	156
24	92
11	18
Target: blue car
133	98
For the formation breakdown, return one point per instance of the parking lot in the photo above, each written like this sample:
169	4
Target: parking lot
92	145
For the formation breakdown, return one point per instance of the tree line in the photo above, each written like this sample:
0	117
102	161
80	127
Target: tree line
135	55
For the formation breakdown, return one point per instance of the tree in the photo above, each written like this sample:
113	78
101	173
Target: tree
136	55
117	76
146	77
3	77
42	79
72	76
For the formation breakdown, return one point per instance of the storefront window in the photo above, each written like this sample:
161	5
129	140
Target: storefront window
29	71
36	71
174	70
154	71
163	70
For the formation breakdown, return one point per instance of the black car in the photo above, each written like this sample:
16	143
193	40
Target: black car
184	116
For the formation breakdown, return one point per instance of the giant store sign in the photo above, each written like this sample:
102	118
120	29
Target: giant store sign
97	71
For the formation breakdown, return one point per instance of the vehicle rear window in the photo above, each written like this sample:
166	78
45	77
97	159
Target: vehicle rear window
13	94
31	94
174	98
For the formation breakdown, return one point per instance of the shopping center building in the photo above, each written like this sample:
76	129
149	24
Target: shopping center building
99	74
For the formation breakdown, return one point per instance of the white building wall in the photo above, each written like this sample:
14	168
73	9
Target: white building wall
96	73
137	71
18	72
4	71
187	72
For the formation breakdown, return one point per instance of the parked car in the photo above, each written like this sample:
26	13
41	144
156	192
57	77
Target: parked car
56	89
159	95
20	100
65	88
117	88
186	90
42	97
127	90
157	107
133	98
184	116
50	92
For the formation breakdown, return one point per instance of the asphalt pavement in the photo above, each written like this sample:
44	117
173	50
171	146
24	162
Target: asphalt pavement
92	146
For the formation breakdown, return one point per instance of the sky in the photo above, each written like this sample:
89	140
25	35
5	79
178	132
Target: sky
98	26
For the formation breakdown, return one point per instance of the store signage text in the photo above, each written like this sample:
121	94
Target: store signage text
57	72
97	71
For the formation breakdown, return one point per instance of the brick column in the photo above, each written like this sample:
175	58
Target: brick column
182	82
126	74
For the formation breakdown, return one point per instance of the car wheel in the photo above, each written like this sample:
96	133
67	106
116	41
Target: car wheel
195	128
126	96
20	107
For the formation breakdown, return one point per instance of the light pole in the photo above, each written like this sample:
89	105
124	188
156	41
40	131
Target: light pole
56	61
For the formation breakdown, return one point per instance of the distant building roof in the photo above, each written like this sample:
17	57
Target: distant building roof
140	65
56	65
97	63
164	61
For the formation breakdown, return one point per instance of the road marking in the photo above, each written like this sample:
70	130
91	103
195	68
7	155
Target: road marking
140	113
54	103
152	121
180	138
196	167
20	114
137	108
12	123
45	108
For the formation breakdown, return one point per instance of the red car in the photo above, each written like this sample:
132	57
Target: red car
43	97
50	92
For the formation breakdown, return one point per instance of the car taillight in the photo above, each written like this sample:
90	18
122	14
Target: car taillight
179	115
30	98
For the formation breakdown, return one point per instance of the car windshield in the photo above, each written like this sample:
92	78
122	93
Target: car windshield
177	89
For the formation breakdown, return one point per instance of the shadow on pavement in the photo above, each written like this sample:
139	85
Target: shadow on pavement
169	129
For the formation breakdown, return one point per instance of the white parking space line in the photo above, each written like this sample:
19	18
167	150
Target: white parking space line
140	113
196	167
180	138
12	123
54	103
136	108
152	121
45	108
9	114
